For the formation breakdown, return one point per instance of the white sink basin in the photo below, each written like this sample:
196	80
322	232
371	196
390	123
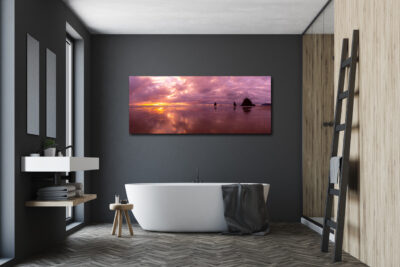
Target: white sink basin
58	164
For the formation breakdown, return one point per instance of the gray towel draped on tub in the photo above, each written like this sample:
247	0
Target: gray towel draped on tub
245	209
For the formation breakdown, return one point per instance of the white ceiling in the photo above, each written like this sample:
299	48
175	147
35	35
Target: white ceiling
196	16
324	24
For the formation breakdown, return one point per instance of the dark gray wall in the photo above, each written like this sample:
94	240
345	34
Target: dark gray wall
39	228
124	158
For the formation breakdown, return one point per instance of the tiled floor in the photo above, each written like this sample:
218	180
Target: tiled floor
286	245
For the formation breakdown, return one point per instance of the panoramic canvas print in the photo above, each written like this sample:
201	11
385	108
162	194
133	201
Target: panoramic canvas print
200	104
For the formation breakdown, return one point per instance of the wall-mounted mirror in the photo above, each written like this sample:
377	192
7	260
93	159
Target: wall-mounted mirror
51	94
32	86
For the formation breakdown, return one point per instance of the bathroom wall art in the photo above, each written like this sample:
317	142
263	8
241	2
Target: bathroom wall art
200	105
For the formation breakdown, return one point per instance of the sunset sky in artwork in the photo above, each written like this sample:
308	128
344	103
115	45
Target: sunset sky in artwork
186	90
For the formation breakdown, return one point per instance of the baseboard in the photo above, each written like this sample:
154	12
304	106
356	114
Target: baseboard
316	227
73	227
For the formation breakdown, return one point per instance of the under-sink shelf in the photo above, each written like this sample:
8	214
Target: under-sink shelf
61	203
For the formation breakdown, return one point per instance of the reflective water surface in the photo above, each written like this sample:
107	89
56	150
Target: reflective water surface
200	119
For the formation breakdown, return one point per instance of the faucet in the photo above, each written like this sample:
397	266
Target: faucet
64	149
197	180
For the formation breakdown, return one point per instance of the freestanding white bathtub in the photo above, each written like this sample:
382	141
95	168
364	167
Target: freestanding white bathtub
179	207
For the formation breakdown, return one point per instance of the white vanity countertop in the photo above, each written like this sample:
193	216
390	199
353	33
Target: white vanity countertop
59	164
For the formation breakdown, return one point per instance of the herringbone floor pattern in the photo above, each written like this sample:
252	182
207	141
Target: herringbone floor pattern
286	245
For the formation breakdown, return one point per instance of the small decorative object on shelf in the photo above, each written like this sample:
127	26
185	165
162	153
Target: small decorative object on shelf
116	199
49	147
124	201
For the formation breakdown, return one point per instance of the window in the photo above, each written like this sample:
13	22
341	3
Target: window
75	112
69	95
7	131
69	52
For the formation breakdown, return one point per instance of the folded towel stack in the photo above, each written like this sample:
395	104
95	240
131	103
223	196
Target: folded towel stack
59	192
78	189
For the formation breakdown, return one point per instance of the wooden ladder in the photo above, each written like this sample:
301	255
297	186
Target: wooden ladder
346	63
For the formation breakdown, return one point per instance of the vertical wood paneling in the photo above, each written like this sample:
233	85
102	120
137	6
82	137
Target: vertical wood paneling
373	212
317	109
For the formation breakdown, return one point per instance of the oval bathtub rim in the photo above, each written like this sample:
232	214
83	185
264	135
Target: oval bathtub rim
191	184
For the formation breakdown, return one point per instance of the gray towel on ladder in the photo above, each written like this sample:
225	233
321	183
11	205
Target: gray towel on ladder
335	165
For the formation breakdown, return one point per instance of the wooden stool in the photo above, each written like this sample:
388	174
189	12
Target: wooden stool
119	209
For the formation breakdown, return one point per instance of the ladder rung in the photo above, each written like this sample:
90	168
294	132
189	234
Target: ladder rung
346	62
340	127
334	192
331	224
343	95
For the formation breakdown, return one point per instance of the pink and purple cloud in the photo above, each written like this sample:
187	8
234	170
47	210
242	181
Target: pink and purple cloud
169	90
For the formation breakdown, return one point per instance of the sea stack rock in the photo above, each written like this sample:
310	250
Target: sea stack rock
247	103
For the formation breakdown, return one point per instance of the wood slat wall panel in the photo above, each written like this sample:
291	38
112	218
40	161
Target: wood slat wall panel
373	211
317	108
